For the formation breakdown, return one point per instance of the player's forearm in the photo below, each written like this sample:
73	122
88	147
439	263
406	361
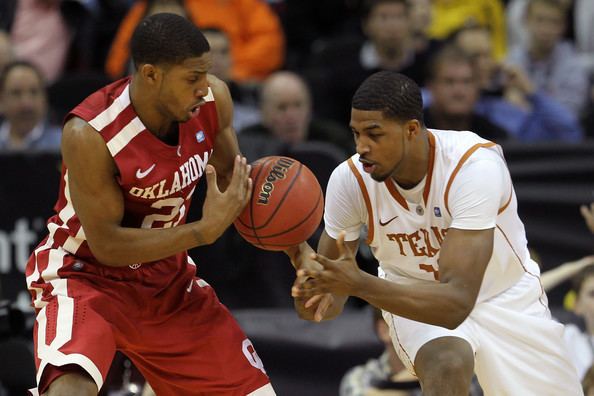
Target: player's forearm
123	246
438	304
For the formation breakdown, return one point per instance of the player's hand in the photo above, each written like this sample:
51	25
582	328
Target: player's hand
221	208
588	214
341	276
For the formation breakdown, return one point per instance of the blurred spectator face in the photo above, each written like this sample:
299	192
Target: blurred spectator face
476	43
387	25
545	24
23	99
286	107
454	88
420	16
584	305
220	51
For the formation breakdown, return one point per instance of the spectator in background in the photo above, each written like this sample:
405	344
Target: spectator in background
580	23
337	69
286	113
450	15
245	110
257	41
387	369
551	63
508	97
45	31
581	343
23	100
6	50
454	88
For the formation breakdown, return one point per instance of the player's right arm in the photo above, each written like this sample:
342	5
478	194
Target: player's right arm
99	204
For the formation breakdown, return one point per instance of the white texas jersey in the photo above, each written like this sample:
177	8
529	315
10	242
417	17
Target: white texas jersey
467	186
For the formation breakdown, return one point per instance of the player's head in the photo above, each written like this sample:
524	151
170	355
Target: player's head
23	95
583	286
386	118
171	57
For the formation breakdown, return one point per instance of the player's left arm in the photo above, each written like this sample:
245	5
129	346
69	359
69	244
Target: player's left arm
226	146
464	256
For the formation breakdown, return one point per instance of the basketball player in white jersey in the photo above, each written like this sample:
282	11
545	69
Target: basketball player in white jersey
456	283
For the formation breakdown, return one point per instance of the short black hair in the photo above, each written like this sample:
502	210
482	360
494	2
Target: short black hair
392	93
19	63
166	39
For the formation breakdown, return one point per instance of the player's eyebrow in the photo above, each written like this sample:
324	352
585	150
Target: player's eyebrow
371	126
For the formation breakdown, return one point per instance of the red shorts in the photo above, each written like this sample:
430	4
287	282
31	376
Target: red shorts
180	337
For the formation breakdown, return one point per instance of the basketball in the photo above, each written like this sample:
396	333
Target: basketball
286	205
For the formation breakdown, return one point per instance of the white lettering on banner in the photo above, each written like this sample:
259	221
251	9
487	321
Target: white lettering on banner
250	353
21	238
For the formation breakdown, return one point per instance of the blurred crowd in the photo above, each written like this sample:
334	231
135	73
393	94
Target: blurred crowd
518	70
510	70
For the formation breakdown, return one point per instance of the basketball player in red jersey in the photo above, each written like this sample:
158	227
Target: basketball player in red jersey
113	273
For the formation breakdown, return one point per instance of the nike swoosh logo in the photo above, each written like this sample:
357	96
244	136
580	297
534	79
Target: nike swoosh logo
142	174
382	223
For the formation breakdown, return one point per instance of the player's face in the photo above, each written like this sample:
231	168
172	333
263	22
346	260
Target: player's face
184	87
585	302
379	142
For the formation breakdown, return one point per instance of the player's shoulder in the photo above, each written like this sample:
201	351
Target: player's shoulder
456	146
102	99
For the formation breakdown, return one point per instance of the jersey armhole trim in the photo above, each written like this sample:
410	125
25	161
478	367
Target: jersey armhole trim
501	209
461	162
370	228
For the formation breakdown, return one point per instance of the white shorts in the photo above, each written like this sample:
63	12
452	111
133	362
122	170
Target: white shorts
518	348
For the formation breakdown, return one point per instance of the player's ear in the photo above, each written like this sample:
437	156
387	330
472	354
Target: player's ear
412	128
150	73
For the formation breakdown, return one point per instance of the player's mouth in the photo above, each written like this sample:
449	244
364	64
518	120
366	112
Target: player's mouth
195	110
368	166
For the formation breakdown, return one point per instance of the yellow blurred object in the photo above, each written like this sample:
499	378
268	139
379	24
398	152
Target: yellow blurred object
450	15
569	301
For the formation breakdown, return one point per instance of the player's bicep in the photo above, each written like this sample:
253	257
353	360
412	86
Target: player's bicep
91	184
463	259
226	146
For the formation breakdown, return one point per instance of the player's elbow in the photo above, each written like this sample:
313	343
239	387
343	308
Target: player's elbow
104	252
458	314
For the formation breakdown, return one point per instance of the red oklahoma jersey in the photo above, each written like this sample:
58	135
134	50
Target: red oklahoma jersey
157	180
